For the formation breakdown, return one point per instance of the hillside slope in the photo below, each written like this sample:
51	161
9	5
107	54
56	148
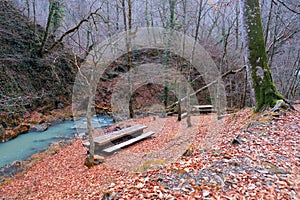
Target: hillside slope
28	82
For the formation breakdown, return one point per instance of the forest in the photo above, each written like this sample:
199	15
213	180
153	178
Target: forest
128	99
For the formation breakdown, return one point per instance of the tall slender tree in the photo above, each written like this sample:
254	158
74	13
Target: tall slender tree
266	93
54	18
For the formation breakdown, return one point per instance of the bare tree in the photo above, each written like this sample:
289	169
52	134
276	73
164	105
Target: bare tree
214	22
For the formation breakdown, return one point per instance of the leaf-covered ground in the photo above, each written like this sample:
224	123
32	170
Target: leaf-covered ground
255	157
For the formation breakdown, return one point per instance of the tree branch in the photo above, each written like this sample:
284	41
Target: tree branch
282	3
208	85
77	27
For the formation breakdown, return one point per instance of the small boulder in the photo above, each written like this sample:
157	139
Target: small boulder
81	136
294	128
59	106
98	159
39	128
90	162
236	141
55	121
280	105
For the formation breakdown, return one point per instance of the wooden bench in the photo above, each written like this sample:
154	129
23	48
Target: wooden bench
204	108
129	142
106	139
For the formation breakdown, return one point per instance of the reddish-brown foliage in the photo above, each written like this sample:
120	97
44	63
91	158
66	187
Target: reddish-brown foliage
255	157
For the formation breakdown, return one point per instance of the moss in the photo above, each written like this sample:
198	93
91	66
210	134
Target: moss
266	93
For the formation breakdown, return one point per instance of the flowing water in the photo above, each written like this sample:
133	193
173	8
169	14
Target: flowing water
30	143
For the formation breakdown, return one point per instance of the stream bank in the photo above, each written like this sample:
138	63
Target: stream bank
26	147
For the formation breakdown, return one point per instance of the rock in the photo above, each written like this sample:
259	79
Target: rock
81	136
39	128
11	170
275	114
292	127
206	193
55	122
236	142
273	169
280	105
98	159
59	106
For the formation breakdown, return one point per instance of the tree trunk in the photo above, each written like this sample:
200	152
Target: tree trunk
124	15
129	14
172	13
271	53
237	13
179	111
167	54
268	23
117	16
28	8
146	13
266	93
34	15
89	162
129	61
46	34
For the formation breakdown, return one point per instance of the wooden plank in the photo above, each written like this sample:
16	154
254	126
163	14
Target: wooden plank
207	110
104	139
127	143
203	106
170	113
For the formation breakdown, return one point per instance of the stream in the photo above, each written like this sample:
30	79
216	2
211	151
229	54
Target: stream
26	145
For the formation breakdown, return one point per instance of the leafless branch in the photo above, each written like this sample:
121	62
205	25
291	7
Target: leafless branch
287	7
91	15
210	84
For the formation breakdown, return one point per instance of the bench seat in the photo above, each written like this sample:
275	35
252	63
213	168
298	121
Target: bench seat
204	108
106	139
129	142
